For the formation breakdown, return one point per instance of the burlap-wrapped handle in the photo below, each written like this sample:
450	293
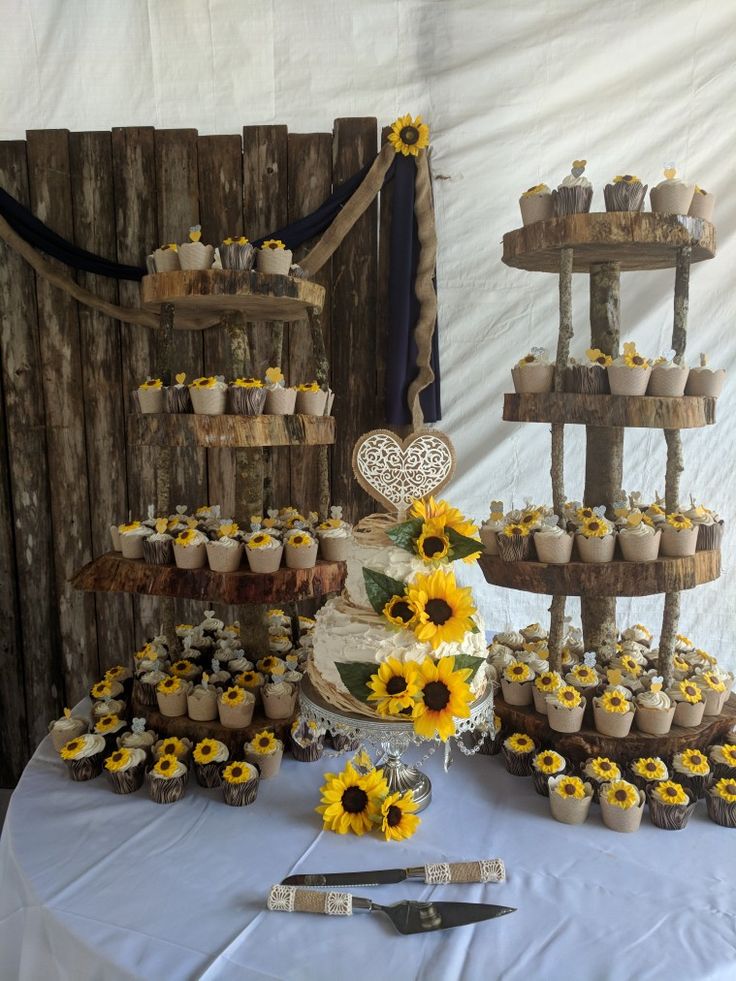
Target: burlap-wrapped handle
292	899
486	870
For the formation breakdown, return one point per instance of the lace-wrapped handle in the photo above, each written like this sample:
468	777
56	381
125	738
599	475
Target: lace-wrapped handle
292	899
486	870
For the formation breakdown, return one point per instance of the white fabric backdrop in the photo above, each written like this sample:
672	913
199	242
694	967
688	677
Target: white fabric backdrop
513	90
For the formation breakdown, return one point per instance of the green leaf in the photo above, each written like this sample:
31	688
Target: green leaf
461	546
467	661
355	677
381	588
406	534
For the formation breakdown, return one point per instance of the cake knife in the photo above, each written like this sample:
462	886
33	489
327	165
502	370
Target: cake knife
486	870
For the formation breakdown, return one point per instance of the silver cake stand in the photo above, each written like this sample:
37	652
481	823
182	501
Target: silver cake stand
393	736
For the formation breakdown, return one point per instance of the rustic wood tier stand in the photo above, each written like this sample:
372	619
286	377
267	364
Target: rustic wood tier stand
603	245
235	300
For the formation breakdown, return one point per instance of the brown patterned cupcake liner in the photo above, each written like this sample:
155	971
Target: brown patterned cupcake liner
86	768
247	401
158	553
240	794
208	774
518	764
720	811
709	536
178	399
670	817
167	790
127	781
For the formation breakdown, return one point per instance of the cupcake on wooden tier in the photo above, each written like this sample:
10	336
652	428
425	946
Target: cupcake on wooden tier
516	683
166	258
178	398
83	756
334	536
668	378
545	685
639	538
126	769
274	258
536	204
575	192
177	746
247	396
110	727
202	701
613	712
279	699
131	539
716	687
240	783
679	535
720	799
702	204
588	377
552	543
629	373
722	759
547	763
599	770
158	547
300	549
266	752
190	549
514	542
312	400
533	374
264	552
654	709
150	396
209	755
672	196
710	526
225	551
596	538
670	805
692	769
235	706
689	703
625	193
194	254
171	694
66	728
704	380
565	708
647	771
584	677
208	395
569	799
280	399
139	737
167	780
518	751
236	252
622	805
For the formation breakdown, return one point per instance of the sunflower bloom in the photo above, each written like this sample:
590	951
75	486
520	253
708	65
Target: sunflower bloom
351	801
443	513
444	609
400	612
398	820
670	792
394	687
433	545
445	694
622	794
408	136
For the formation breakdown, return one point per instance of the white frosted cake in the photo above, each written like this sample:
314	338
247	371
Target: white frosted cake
353	629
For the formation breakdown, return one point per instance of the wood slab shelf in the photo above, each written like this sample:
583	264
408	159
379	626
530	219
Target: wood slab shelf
114	574
190	431
579	746
636	412
205	296
617	578
634	240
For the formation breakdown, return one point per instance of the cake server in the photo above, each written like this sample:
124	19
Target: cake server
407	916
486	870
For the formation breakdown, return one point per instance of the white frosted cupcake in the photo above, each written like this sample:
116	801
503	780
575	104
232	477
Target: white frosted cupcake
575	193
553	544
668	378
65	729
654	711
639	541
533	374
672	196
536	204
131	539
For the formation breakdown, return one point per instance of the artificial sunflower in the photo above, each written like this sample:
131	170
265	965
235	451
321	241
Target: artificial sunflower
568	697
205	750
680	664
441	512
174	747
614	701
408	136
571	787
102	689
690	692
233	696
519	742
271	664
702	655
584	514
629	665
621	793
189	537
669	792
626	179
169	686
400	612
548	762
729	754
150	384
548	681
632	358
261	540
584	675
273	243
308	387
445	695
166	766
147	653
300	540
712	681
118	760
394	687
531	517
597	356
69	750
238	773
649	767
604	769
182	668
107	723
351	801
398	820
517	671
235	240
249	679
726	790
515	528
694	761
205	382
444	609
112	674
247	383
595	528
131	526
433	544
264	743
678	521
228	530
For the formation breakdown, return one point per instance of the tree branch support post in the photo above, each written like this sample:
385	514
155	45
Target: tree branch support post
322	378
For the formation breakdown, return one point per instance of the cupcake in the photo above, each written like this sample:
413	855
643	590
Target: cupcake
218	677
533	374
186	669
209	756
639	541
596	539
689	703
166	258
516	683
180	747
703	380
491	527
190	549
679	535
629	373
565	708
280	400
178	398
131	539
264	553
145	685
639	633
709	525
150	396
584	677
301	550
240	783
66	728
171	695
668	378
691	768
105	690
514	543
311	400
108	706
546	764
307	740
575	192
625	193
279	699
208	395
237	253
569	799
202	701
622	805
125	768
536	204
158	548
670	805
591	377
720	799
247	396
484	739
274	258
194	254
553	544
671	196
251	681
648	770
334	536
511	639
599	770
545	684
518	751
138	738
167	780
111	728
654	710
714	688
265	751
123	675
235	706
225	553
702	204
272	664
613	713
83	756
722	759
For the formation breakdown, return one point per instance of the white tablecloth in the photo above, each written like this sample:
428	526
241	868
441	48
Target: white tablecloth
93	885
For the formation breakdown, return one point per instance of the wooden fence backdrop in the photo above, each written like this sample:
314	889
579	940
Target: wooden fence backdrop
67	374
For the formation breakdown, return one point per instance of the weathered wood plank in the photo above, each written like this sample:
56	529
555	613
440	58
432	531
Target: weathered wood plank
383	302
104	395
191	431
51	201
646	411
310	182
354	276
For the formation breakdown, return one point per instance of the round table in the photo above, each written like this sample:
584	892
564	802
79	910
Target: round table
93	885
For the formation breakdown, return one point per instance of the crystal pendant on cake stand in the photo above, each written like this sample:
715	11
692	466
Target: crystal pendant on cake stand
393	736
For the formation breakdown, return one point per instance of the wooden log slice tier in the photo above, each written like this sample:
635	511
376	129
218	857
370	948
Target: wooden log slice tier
205	296
579	746
635	412
189	430
113	573
617	578
182	725
634	240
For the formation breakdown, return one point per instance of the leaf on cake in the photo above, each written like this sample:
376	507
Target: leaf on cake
468	661
461	546
380	588
355	677
405	535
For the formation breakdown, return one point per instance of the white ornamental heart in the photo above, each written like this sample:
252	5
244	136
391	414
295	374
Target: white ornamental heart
395	472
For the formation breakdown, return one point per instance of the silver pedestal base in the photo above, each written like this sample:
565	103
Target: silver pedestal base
400	777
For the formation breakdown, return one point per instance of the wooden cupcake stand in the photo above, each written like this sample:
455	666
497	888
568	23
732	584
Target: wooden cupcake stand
235	300
604	245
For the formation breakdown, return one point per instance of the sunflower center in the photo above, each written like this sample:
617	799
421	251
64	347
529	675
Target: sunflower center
620	795
651	767
402	611
436	696
236	771
637	359
205	750
438	611
393	817
433	545
409	135
396	685
354	800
